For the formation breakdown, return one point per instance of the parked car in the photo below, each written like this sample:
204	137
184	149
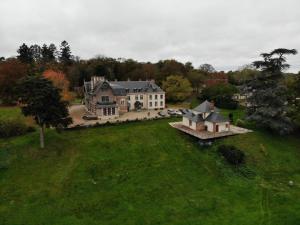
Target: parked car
171	112
183	111
178	113
90	117
161	113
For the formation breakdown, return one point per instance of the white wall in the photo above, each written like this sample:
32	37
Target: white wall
222	126
210	126
146	100
158	100
186	122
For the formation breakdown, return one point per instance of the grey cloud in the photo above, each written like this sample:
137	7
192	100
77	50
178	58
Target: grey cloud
226	34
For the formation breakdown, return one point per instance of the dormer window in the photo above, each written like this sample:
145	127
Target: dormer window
104	98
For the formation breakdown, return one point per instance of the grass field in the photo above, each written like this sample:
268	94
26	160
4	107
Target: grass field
14	113
147	173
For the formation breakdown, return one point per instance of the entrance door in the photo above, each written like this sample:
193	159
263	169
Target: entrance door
217	128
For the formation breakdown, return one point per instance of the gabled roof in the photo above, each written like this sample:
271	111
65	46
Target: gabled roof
204	107
216	118
193	117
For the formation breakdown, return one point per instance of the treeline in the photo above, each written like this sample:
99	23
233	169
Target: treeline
40	58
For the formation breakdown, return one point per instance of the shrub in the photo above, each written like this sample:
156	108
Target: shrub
240	123
233	155
10	128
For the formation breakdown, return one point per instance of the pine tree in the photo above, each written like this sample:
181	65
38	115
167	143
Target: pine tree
268	103
65	53
25	54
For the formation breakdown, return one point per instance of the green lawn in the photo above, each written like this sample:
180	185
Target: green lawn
147	173
10	113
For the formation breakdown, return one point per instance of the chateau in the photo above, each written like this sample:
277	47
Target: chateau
108	99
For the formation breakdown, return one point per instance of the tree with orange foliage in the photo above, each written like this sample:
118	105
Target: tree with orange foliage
60	81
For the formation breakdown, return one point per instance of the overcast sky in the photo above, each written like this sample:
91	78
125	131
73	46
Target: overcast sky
224	33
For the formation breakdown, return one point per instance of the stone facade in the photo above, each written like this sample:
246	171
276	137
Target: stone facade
109	99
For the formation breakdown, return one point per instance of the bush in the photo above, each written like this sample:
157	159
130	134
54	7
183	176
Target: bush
240	123
233	155
10	128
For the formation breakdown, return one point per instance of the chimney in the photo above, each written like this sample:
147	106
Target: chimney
95	80
212	105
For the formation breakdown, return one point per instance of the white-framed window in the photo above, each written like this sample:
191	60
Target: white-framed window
136	97
161	103
122	102
155	103
155	97
161	96
190	123
141	97
150	104
150	97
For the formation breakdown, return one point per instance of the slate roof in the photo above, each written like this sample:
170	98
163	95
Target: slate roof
121	88
193	117
137	86
204	107
216	118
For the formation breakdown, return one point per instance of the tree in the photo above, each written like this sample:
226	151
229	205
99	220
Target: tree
177	88
36	52
221	95
65	53
11	71
48	53
294	90
40	99
268	103
196	78
25	54
60	81
207	68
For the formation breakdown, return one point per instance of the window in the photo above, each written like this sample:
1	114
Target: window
150	104
161	103
113	111
104	111
128	97
155	97
136	97
141	97
150	97
104	98
122	102
155	103
142	105
109	111
161	96
190	123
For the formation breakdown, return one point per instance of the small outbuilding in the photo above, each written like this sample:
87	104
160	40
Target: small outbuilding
206	117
